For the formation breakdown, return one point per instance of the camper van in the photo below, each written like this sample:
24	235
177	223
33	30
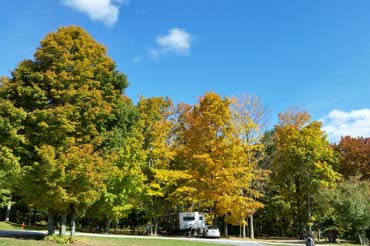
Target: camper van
183	222
191	220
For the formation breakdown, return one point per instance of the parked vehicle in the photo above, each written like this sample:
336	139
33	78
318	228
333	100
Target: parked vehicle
190	223
212	232
191	220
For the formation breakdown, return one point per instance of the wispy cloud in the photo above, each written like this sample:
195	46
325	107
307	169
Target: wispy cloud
340	123
136	60
176	41
141	12
105	11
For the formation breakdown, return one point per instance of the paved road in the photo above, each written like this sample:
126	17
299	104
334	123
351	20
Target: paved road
26	233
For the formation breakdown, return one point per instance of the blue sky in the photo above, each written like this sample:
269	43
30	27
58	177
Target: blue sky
313	54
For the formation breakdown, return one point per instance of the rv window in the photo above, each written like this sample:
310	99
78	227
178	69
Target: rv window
188	218
200	218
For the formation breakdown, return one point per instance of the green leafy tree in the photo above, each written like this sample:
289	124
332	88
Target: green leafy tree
301	164
69	92
125	184
275	218
11	119
348	205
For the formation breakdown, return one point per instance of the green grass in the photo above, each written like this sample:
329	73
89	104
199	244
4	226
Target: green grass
10	226
23	242
95	241
327	244
140	242
338	244
92	241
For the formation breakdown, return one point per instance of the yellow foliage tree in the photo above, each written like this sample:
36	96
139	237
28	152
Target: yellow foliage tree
249	119
163	181
211	149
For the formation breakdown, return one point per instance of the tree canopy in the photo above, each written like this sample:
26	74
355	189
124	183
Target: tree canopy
72	144
71	93
301	164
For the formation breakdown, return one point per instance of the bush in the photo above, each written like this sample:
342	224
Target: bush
59	239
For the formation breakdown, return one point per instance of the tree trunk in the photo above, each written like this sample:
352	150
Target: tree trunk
361	240
8	207
50	222
151	227
155	226
226	229
34	219
73	221
63	224
251	225
309	212
90	226
332	236
116	225
107	225
243	231
281	226
299	209
73	226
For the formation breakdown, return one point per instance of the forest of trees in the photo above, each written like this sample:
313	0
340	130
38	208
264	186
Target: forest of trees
74	149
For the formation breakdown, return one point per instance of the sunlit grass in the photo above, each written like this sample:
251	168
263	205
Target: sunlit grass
96	241
10	226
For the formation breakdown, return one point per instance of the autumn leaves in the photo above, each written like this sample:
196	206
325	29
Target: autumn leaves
71	143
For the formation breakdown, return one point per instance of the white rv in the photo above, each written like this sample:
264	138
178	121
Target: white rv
192	220
183	222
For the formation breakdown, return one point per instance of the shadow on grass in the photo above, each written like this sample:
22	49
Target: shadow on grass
23	234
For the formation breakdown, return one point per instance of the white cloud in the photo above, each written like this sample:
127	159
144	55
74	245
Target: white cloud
340	123
136	59
154	54
105	11
177	41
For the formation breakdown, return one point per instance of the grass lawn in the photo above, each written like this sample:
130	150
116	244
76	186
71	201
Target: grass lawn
140	242
92	241
11	241
336	244
10	226
326	244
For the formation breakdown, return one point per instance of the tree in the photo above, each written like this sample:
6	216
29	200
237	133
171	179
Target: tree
124	186
68	92
11	120
354	156
162	178
249	119
348	204
301	164
275	218
209	148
